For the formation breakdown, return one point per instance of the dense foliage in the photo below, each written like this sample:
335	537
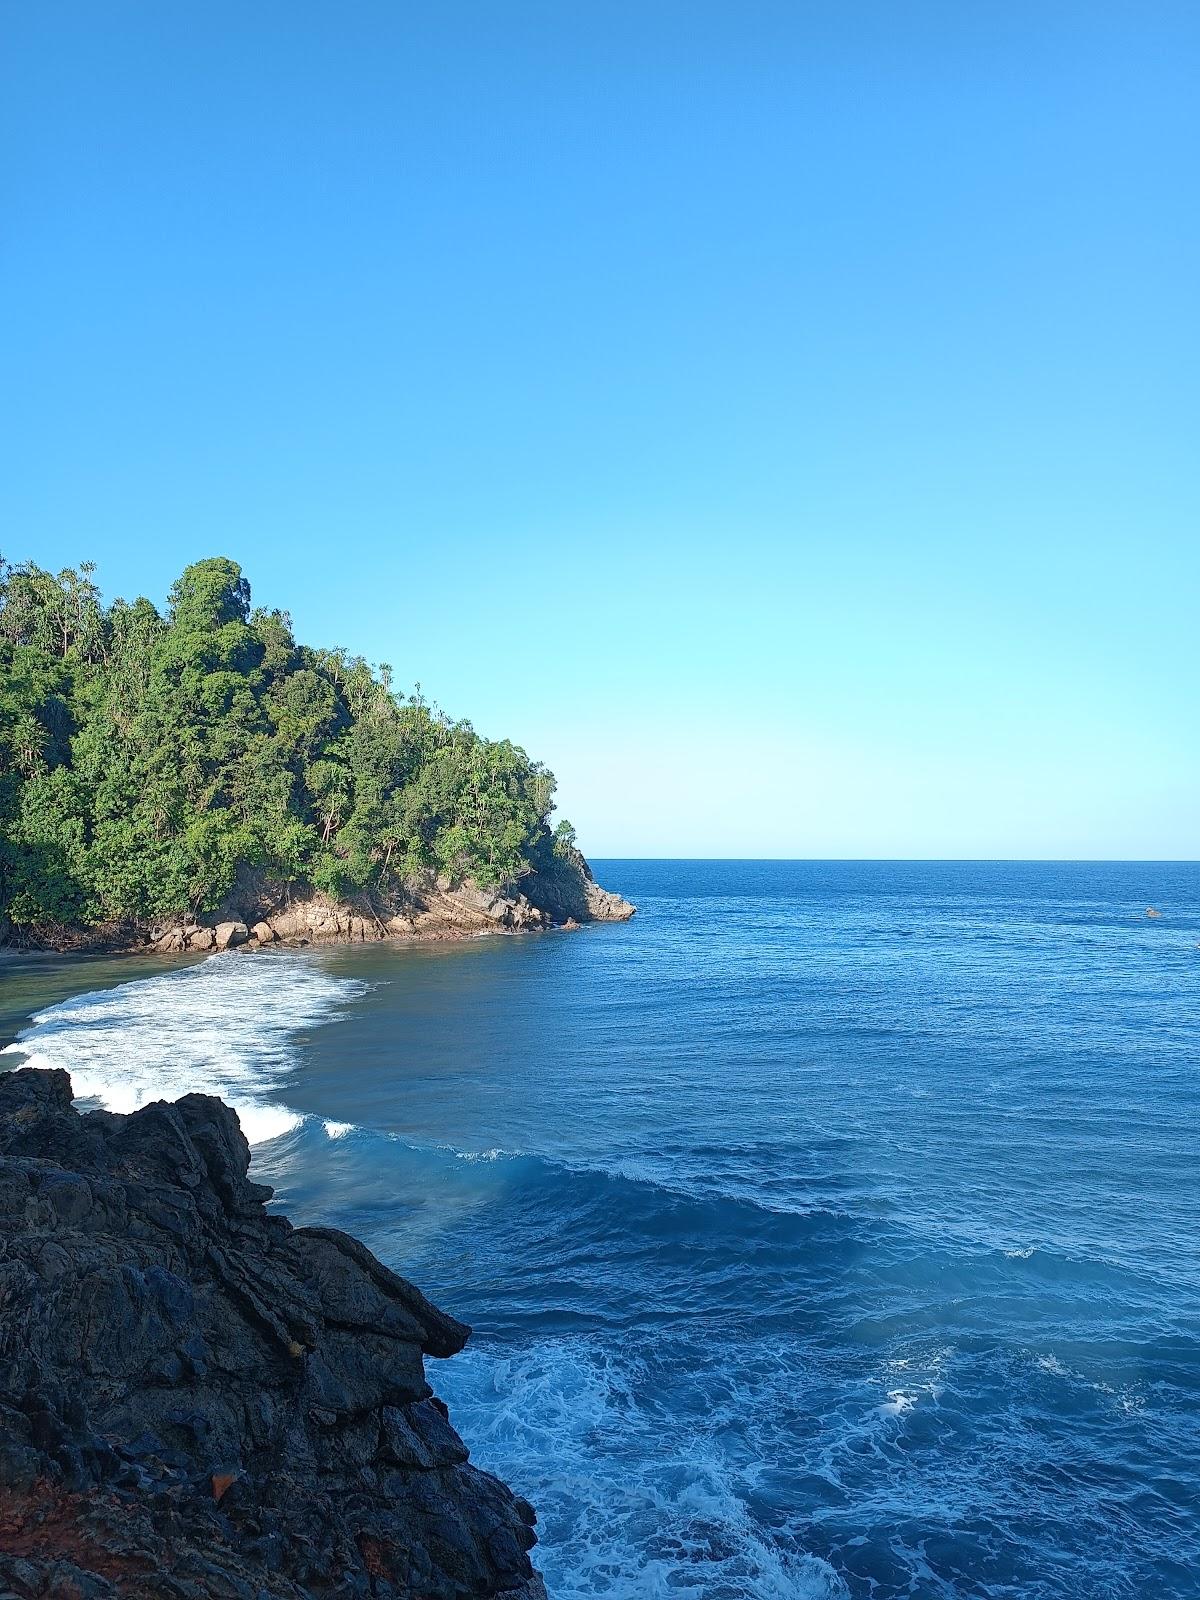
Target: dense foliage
146	760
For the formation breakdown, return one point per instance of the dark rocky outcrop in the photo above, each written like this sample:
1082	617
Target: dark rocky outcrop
197	1399
566	892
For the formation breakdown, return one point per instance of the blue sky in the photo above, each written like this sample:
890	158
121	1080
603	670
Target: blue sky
780	418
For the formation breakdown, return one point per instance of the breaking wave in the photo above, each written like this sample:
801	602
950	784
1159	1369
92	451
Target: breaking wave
226	1026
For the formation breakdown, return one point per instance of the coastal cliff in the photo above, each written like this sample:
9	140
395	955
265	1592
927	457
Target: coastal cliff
259	912
174	780
561	895
199	1400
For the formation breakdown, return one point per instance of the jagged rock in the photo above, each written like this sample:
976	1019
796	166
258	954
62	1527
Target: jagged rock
561	891
471	907
605	906
472	900
566	891
199	1400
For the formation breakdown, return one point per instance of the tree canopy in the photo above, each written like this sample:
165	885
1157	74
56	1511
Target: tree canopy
145	760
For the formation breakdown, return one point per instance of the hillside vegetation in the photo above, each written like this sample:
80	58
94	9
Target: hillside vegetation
147	759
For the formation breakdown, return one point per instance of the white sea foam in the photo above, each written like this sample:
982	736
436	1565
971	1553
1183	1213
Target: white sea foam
225	1027
897	1403
923	1384
632	1505
1129	1399
337	1130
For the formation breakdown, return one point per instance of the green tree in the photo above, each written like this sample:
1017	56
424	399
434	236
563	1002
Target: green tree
148	760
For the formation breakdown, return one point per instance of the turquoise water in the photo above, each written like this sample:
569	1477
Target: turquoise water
830	1229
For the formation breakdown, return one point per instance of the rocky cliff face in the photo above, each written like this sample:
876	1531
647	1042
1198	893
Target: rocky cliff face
261	912
435	909
197	1399
257	914
566	892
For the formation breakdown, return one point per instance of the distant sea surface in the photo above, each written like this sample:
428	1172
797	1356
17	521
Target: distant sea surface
831	1229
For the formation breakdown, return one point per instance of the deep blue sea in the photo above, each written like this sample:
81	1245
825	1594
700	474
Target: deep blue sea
832	1229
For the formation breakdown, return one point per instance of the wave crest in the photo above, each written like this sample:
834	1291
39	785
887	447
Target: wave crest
225	1027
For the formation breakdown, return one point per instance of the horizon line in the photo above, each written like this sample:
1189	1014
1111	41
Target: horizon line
978	861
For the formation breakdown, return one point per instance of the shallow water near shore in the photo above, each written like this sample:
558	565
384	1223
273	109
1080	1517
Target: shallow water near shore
832	1229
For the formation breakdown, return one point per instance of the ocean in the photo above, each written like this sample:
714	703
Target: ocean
829	1230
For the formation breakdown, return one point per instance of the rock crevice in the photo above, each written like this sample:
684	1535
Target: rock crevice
197	1399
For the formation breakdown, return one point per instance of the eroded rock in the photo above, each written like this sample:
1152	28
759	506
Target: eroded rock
197	1399
567	892
561	892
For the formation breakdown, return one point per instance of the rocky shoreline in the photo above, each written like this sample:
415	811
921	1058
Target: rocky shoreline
260	913
199	1400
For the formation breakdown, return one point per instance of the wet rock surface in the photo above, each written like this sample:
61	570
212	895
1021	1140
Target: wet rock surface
197	1399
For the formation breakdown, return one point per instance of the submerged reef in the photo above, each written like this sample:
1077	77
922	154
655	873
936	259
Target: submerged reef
197	1399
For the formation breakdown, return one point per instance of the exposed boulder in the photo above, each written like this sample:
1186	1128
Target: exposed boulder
228	934
290	923
263	932
199	1400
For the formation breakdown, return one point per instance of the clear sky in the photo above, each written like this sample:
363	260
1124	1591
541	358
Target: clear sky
780	418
